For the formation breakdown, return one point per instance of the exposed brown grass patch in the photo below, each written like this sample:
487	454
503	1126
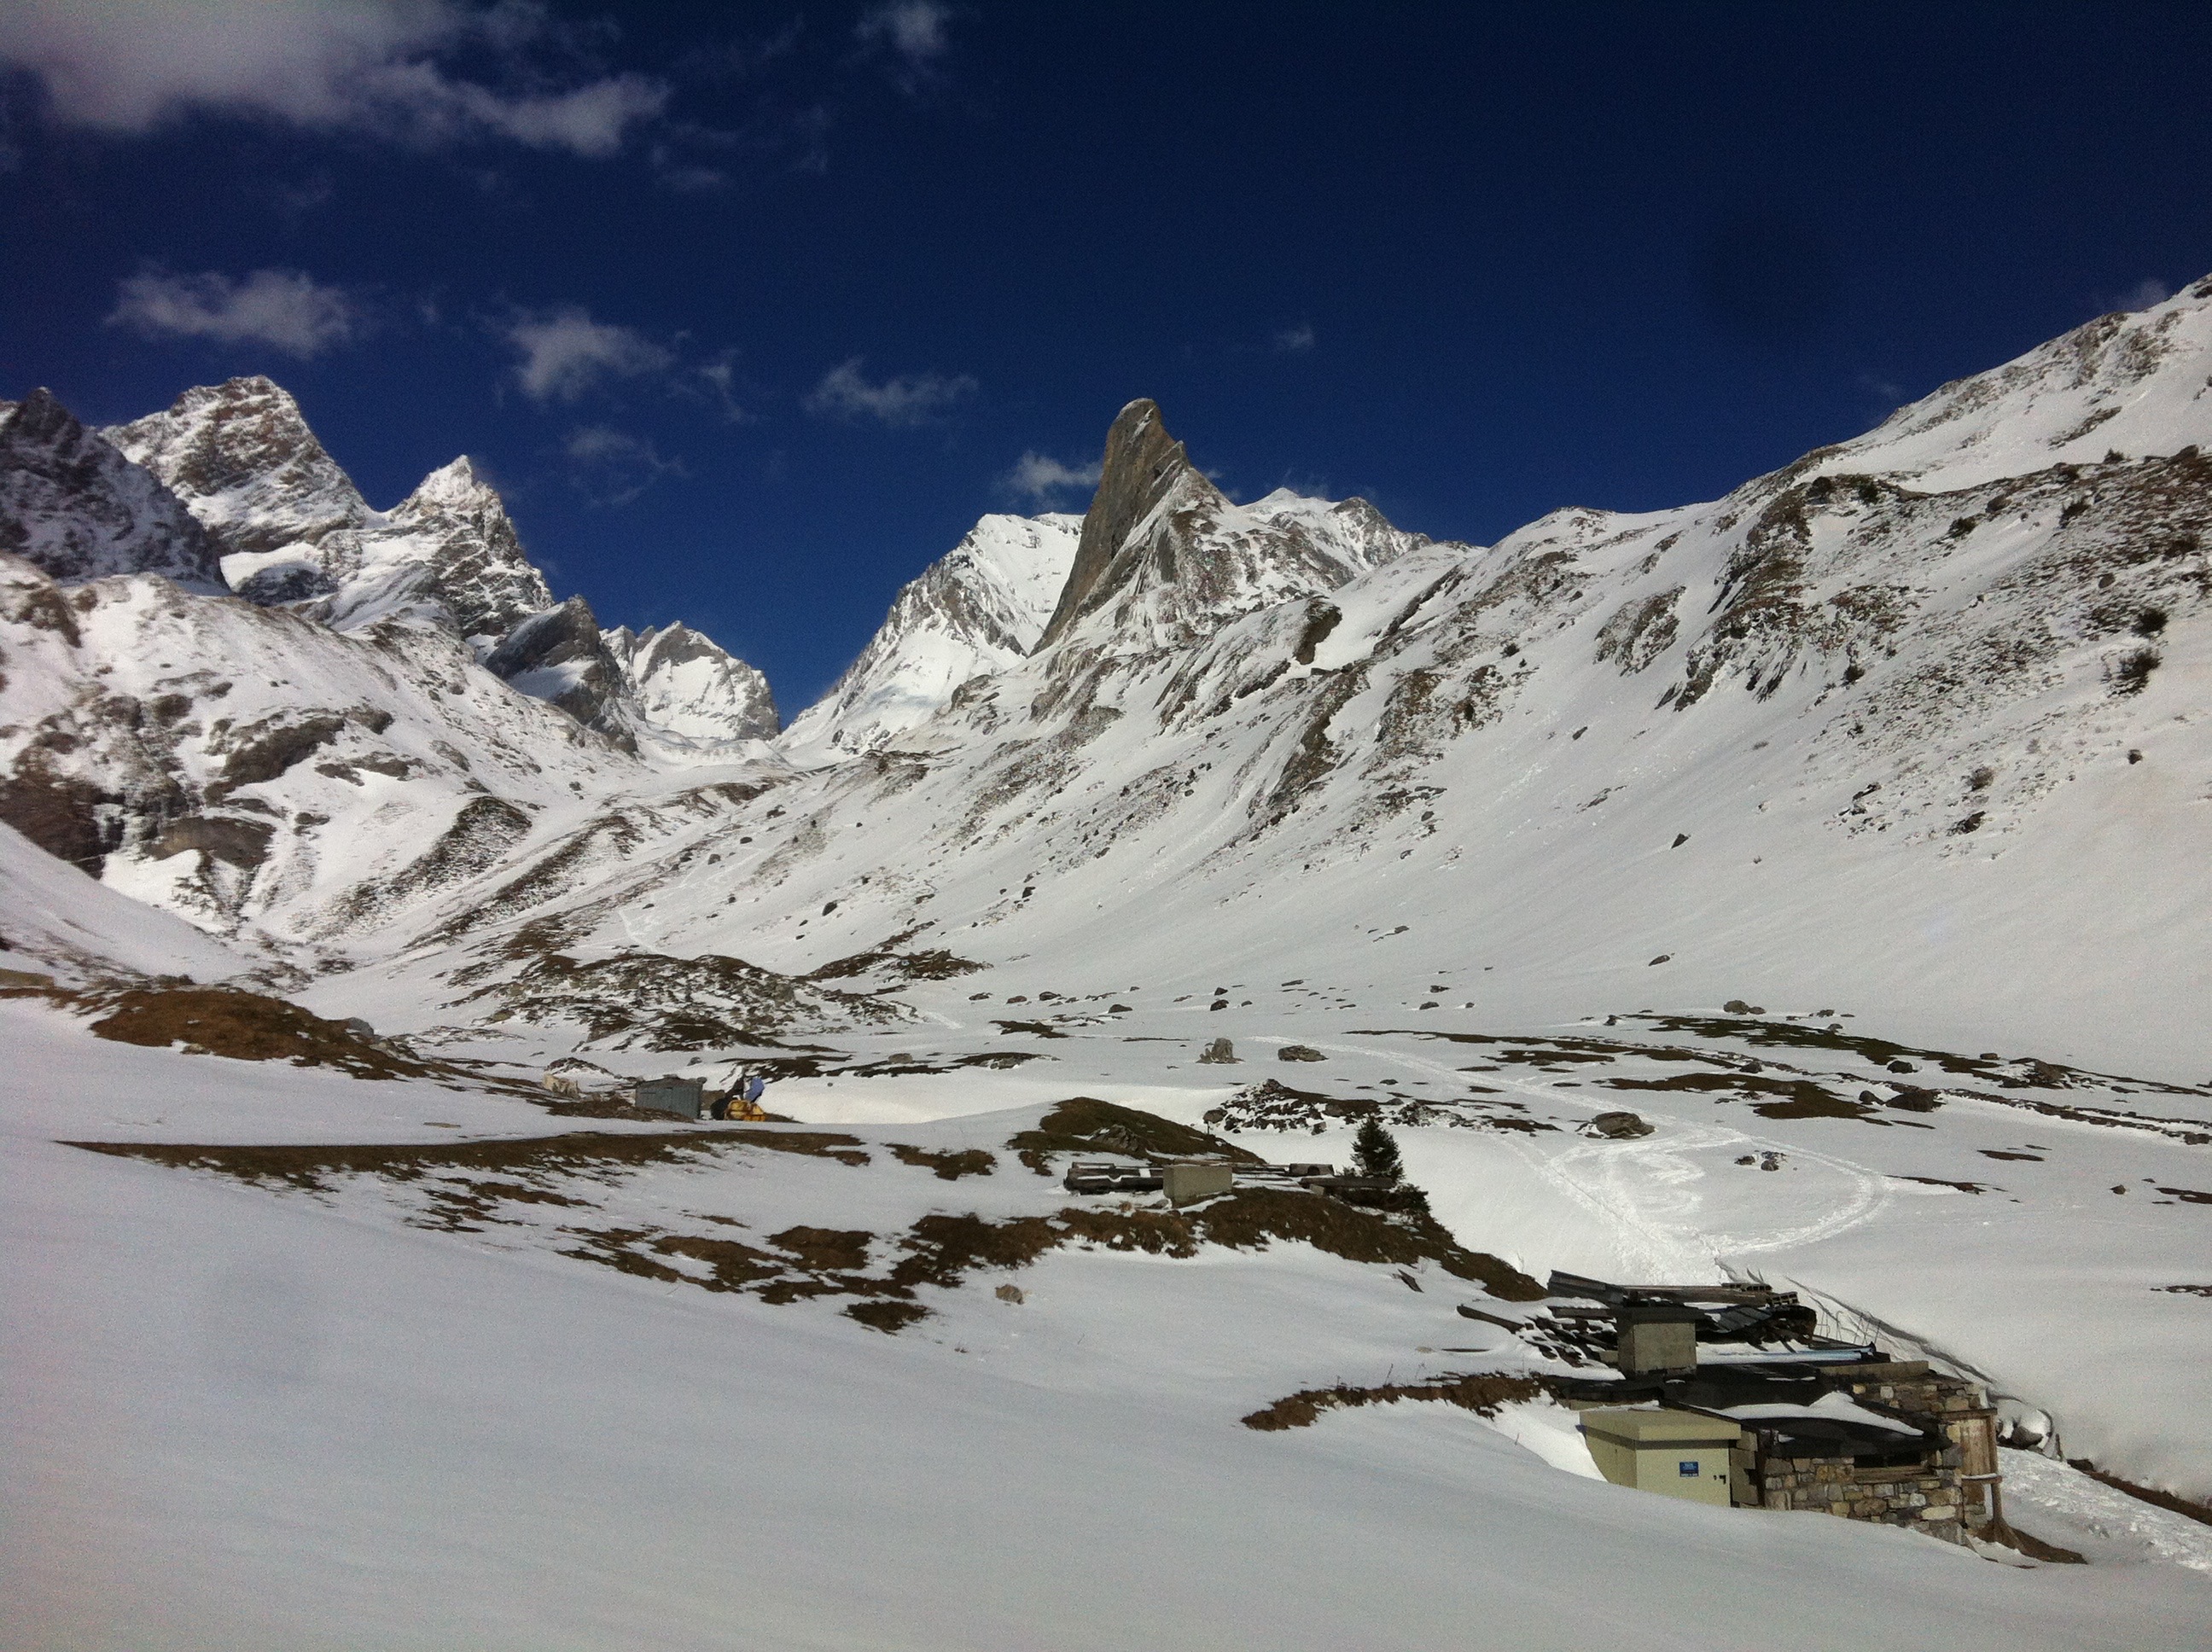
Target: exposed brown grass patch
840	1249
311	1166
1250	1216
950	1167
1482	1393
940	1248
1084	1124
248	1026
1156	1233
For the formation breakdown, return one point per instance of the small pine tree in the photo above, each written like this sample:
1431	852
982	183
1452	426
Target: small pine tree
1376	1153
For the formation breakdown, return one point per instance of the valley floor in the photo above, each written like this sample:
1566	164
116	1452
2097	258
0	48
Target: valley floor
393	1412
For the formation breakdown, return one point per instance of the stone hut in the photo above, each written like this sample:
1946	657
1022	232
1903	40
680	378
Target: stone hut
1942	1478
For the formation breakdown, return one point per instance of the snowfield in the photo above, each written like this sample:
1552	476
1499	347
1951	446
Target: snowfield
253	1418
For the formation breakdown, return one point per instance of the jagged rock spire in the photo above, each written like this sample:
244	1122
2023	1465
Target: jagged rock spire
1145	481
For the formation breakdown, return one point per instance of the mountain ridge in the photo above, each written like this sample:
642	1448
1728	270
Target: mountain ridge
1294	696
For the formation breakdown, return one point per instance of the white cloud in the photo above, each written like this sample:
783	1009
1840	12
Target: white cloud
721	376
914	29
129	66
279	307
901	403
1295	341
612	467
1045	482
564	352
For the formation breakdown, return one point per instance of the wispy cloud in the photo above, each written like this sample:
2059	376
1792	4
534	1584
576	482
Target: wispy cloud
283	308
1045	482
914	33
901	403
2144	294
1295	341
721	377
612	467
563	352
371	66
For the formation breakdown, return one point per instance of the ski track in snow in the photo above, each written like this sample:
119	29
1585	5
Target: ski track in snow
1645	1190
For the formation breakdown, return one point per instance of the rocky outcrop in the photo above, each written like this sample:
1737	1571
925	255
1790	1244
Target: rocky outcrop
1166	560
559	657
241	456
75	507
1149	501
447	552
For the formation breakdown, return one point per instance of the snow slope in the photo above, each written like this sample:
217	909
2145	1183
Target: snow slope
977	610
262	1419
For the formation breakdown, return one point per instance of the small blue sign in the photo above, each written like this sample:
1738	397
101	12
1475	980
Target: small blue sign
1688	1471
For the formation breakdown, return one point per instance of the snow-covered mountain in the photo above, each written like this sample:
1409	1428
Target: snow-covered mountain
240	455
293	531
1911	722
976	610
689	689
73	506
1880	694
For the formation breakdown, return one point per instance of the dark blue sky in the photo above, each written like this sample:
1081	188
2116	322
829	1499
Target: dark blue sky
751	310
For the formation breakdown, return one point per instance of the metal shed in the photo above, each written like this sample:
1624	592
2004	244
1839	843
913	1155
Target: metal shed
669	1094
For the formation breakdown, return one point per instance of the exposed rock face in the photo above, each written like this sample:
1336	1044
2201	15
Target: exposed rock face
293	531
447	552
1146	478
559	657
78	509
1166	560
241	457
294	528
685	687
978	610
240	765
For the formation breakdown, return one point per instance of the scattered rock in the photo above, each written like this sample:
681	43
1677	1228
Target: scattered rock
1299	1052
1619	1127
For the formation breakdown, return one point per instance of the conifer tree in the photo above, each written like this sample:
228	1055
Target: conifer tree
1375	1153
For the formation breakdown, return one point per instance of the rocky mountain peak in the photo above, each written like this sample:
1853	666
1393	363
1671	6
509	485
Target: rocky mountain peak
73	505
240	455
455	486
690	692
1165	559
1145	479
447	551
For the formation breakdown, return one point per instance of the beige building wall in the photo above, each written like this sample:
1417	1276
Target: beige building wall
1676	1453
